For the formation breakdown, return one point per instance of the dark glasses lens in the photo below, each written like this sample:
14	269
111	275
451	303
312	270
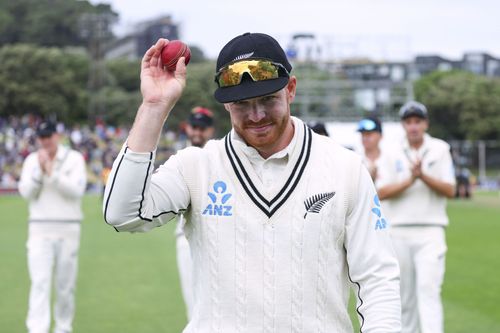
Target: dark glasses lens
259	70
366	125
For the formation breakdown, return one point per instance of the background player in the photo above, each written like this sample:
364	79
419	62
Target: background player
416	181
371	134
53	180
199	130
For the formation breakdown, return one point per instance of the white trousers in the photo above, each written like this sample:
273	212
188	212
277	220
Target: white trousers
52	256
185	266
421	255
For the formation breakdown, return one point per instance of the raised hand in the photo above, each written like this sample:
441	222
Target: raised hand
160	87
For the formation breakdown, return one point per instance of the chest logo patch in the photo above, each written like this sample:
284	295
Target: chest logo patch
381	222
316	202
219	201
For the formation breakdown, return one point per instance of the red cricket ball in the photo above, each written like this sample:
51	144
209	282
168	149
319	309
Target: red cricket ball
171	53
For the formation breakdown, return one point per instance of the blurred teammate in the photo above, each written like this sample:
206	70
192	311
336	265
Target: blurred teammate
416	182
53	180
199	130
371	134
281	221
318	127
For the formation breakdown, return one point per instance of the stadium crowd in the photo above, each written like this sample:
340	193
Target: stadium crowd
99	143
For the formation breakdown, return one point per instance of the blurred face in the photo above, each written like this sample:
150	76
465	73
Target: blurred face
264	122
370	140
199	135
415	128
49	143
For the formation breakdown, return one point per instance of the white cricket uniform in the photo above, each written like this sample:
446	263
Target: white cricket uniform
418	219
184	265
377	164
53	236
271	254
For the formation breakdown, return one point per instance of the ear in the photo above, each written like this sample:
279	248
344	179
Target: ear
291	88
426	127
226	106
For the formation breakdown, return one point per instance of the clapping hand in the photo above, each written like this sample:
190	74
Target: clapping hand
416	169
45	161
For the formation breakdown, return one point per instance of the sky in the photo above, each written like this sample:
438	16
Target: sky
395	30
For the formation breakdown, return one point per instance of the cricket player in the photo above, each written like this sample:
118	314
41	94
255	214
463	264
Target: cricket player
53	180
371	134
281	221
199	130
416	182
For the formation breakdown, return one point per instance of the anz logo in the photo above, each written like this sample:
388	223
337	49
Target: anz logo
381	222
219	198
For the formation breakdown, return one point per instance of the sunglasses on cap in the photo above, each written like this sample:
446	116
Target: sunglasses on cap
367	125
258	69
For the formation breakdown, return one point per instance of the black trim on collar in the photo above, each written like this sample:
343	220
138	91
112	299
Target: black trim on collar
270	207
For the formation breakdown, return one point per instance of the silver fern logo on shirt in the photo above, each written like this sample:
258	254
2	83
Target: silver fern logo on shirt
219	199
315	203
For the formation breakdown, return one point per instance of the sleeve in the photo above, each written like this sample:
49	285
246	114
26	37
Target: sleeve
136	199
30	182
446	169
385	171
372	264
72	180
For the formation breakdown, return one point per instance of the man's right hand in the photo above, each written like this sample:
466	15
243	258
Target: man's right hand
160	87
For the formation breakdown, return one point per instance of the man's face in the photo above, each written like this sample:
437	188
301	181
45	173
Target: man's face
49	143
199	135
264	122
370	139
415	128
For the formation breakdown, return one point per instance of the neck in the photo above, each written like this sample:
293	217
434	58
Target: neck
416	144
372	154
53	153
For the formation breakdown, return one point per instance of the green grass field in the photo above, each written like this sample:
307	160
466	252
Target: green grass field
128	283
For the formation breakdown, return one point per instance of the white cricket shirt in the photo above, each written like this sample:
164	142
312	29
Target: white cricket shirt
417	205
268	259
56	198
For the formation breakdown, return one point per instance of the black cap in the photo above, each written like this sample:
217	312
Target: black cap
201	117
252	46
46	129
318	127
369	124
413	109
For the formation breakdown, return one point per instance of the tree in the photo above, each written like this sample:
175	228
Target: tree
197	54
119	99
47	22
461	105
44	81
199	91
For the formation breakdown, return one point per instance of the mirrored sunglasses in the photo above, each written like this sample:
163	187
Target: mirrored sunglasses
366	125
258	69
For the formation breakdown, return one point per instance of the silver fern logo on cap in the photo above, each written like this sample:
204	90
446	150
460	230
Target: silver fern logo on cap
316	202
243	56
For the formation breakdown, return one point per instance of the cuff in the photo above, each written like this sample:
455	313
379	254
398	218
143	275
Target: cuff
138	157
